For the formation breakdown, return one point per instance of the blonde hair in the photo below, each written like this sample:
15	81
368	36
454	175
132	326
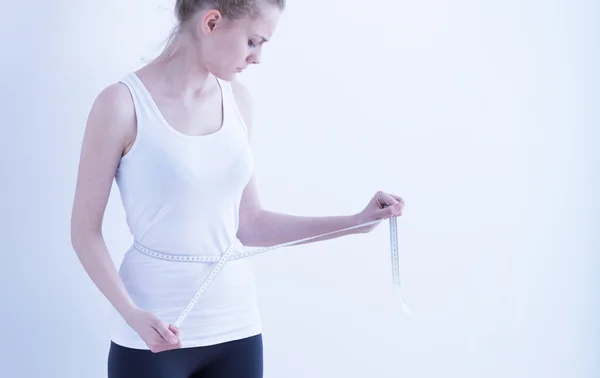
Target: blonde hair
231	10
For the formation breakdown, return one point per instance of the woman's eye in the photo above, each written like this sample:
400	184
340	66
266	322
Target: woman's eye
251	44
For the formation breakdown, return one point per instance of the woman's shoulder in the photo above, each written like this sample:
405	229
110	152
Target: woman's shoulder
116	100
113	112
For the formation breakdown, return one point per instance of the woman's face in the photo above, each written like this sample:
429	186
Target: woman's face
227	48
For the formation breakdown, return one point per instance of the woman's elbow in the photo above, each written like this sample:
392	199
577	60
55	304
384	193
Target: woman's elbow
249	228
82	233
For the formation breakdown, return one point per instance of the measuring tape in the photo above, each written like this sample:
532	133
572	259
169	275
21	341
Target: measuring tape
230	255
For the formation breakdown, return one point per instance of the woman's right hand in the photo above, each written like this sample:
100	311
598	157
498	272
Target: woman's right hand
157	336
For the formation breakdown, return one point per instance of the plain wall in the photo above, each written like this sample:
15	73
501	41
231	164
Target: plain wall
483	115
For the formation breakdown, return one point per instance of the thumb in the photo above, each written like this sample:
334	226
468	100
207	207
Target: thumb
165	333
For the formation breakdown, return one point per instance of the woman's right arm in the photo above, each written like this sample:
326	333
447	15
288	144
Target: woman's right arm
110	128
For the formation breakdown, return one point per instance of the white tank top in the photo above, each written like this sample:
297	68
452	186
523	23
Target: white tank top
181	195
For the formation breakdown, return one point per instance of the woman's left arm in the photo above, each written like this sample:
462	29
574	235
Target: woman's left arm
263	228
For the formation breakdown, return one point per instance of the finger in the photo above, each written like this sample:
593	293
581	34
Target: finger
400	204
176	331
397	198
394	210
385	200
166	334
394	204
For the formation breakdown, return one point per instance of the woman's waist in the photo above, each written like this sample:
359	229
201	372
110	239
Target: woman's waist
196	248
176	282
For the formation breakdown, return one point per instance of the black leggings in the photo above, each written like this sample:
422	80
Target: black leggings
235	359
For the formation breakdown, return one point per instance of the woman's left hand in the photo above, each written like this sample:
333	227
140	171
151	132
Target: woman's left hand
382	206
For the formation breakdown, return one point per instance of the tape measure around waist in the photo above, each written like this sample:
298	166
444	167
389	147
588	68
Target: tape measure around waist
230	255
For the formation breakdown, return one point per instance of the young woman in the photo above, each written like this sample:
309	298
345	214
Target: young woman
175	137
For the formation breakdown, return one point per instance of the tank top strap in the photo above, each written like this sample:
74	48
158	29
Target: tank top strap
230	104
145	110
144	104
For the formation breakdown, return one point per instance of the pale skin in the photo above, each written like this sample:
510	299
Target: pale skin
188	96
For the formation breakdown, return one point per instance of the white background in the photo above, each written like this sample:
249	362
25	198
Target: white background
483	115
